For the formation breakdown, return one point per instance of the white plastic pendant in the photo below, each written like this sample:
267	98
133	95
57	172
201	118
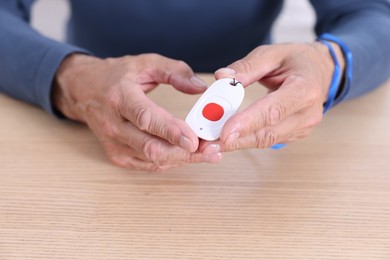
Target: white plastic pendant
217	104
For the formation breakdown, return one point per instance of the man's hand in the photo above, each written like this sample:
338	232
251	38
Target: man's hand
297	77
109	95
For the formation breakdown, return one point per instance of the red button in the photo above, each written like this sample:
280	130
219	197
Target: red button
213	112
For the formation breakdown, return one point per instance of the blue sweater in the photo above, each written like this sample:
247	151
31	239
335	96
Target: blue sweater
207	34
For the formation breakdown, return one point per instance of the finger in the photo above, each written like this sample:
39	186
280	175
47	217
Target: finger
294	95
176	73
158	150
258	63
125	157
147	116
292	128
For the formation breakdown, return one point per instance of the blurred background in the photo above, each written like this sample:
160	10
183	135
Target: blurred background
294	24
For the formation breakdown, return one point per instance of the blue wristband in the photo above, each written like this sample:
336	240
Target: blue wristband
348	65
336	78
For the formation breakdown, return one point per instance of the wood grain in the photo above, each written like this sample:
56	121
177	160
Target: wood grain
325	197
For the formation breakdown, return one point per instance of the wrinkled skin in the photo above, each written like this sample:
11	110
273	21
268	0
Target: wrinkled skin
109	95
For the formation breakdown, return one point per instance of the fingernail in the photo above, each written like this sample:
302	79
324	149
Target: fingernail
211	149
228	71
186	143
214	158
197	82
232	138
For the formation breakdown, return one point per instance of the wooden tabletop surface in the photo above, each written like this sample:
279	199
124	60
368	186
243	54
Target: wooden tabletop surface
325	197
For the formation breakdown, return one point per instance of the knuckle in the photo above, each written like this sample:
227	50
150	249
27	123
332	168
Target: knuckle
150	57
154	56
238	144
151	150
270	138
126	57
177	66
275	114
266	138
182	65
143	118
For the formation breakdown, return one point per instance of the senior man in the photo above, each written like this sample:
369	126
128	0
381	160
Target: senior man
117	51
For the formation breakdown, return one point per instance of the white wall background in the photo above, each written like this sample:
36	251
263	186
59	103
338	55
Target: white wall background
294	24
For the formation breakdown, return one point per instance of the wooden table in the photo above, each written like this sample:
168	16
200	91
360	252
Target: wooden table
325	197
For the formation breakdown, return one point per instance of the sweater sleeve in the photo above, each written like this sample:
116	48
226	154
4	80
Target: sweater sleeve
28	60
364	27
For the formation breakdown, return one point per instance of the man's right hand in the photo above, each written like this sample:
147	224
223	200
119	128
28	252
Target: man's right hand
109	95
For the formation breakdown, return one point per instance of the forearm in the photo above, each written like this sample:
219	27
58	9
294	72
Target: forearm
363	27
28	60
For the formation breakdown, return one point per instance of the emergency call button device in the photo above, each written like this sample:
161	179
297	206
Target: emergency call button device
217	104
